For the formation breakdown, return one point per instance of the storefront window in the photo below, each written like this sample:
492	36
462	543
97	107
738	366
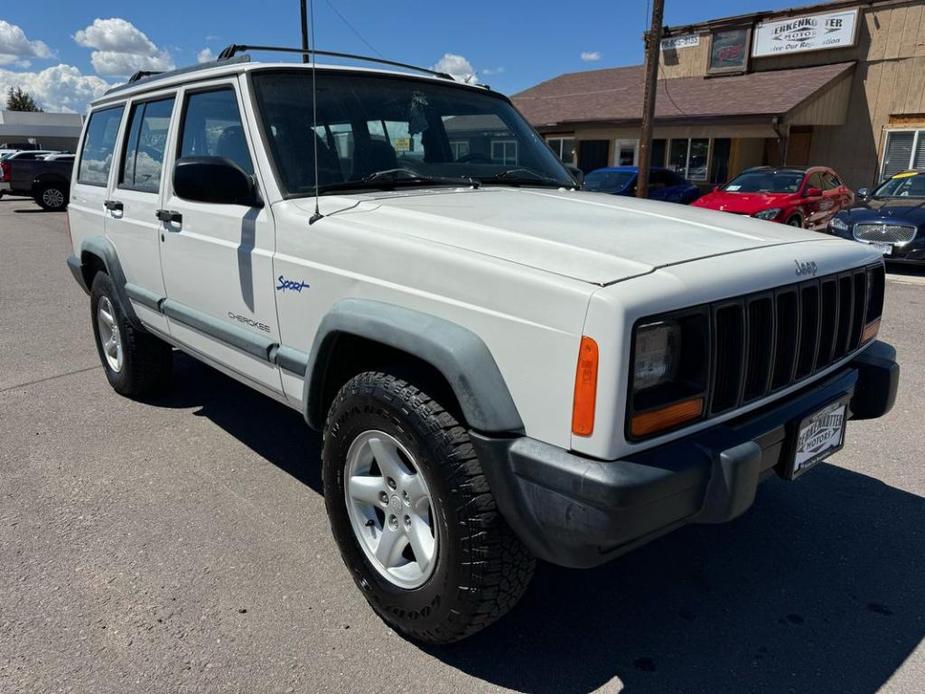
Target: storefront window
677	157
689	157
564	147
905	149
658	152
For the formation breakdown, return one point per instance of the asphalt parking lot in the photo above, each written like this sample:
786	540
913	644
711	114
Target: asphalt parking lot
182	544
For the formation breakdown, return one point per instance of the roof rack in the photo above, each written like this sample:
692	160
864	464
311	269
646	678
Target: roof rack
229	52
152	76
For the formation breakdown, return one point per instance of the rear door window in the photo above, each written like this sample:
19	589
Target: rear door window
145	145
99	145
212	128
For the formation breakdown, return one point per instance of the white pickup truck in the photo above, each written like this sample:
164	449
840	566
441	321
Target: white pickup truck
504	367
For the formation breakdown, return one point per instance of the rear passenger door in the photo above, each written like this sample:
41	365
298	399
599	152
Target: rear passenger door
217	258
136	196
89	190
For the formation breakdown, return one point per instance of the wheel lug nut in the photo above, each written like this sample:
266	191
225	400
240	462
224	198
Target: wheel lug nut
406	498
383	497
407	521
393	522
391	483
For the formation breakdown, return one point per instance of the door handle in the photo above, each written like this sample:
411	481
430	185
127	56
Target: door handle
113	205
169	216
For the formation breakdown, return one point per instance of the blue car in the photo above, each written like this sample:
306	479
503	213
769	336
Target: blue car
891	218
664	184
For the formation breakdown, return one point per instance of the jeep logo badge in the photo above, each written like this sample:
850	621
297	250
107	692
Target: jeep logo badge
807	268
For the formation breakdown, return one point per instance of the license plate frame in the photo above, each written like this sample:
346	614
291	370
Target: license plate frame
806	451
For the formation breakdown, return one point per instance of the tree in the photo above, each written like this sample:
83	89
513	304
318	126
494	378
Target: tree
18	100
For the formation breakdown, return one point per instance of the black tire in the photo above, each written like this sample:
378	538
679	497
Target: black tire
146	359
795	221
481	568
52	197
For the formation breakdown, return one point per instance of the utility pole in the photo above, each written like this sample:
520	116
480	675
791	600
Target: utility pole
305	56
653	41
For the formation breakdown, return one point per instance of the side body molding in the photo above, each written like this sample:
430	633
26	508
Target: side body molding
456	352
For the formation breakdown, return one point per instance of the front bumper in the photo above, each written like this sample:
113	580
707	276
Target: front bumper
580	512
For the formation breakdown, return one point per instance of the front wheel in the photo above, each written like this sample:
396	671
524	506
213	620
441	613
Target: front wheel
412	513
52	197
795	221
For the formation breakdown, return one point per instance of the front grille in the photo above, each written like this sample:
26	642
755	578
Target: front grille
885	233
768	341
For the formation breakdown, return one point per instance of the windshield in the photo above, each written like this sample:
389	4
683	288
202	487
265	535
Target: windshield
608	181
902	186
765	182
381	132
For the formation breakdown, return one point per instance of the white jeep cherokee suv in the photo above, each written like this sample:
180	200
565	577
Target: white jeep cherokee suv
504	367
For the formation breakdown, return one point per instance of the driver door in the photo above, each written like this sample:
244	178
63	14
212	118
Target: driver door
217	258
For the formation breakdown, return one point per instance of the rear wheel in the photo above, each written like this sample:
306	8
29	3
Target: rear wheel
412	513
52	197
136	363
795	221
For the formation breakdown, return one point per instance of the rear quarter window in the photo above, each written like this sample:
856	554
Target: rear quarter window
98	147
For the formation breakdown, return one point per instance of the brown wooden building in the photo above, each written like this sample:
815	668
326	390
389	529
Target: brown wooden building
840	84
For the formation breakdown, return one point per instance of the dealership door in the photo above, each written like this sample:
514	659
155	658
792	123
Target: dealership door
593	154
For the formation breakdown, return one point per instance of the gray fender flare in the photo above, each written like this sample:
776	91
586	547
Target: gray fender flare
103	249
456	352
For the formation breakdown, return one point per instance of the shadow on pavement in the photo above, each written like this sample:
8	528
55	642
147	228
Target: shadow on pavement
818	587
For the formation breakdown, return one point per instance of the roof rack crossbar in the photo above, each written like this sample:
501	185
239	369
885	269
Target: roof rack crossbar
151	76
230	51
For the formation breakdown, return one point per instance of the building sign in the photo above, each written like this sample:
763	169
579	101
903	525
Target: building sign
729	51
675	42
809	33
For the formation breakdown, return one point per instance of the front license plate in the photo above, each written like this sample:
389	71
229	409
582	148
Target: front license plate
819	436
884	248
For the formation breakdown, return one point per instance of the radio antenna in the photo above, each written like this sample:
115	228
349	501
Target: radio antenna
311	10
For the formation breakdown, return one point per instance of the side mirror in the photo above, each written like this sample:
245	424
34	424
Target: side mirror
812	192
577	174
863	193
216	180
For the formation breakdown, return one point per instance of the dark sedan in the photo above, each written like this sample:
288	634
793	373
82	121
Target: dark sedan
664	184
892	218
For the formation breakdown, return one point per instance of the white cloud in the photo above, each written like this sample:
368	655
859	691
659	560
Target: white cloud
15	47
121	48
457	67
590	56
492	71
123	64
57	88
205	56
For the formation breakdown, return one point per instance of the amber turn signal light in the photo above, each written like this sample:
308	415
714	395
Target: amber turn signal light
585	388
646	423
870	331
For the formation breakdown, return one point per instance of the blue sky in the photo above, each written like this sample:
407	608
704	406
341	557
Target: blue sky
67	51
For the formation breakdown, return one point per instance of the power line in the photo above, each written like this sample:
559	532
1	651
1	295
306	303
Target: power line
354	29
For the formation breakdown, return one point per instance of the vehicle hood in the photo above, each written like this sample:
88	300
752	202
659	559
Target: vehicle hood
593	237
906	210
743	203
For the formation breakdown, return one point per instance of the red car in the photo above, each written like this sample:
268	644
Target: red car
806	198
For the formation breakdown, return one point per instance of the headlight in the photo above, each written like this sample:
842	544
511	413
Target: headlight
767	214
657	347
668	373
838	225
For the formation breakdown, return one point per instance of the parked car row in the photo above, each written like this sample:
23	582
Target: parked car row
892	217
43	175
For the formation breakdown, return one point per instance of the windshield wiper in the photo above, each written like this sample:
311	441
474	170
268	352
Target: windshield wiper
525	177
389	179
